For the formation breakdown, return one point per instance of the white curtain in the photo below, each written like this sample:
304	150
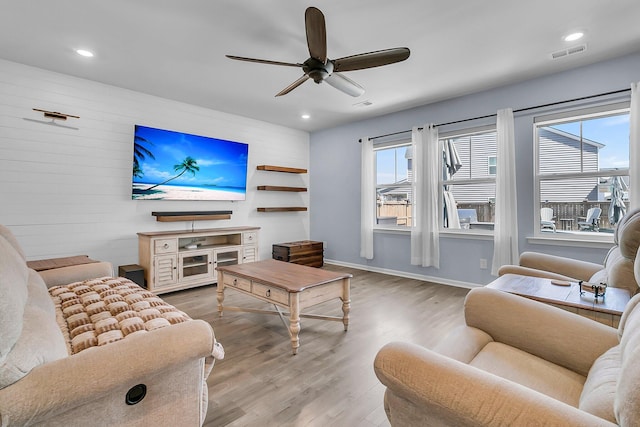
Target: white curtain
505	237
634	147
425	236
453	220
367	199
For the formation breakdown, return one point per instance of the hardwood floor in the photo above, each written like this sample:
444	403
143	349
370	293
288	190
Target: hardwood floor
330	382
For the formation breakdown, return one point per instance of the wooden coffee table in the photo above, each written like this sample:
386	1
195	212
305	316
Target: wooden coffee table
292	286
605	310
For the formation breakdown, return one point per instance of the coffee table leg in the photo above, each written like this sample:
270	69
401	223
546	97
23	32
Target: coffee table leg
294	322
220	290
346	302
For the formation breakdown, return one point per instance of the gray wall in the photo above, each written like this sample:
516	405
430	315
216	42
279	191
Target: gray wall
335	173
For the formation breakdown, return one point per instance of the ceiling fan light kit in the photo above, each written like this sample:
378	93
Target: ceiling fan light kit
320	68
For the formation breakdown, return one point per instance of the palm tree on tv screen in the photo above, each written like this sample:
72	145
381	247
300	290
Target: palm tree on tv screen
137	172
140	152
189	164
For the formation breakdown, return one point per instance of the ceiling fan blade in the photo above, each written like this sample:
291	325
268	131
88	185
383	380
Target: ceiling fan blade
344	84
371	59
263	61
293	85
316	34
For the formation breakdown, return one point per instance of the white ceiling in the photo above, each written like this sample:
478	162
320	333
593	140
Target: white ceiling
176	49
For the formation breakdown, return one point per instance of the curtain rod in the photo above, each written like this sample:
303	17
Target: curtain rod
551	104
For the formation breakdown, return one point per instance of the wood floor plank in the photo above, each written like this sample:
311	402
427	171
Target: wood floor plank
331	380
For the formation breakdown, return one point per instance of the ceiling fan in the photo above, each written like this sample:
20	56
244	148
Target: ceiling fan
319	68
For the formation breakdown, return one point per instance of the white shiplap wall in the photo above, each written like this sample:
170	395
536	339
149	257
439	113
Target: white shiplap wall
68	191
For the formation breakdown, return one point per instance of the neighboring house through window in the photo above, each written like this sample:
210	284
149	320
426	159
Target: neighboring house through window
582	169
473	185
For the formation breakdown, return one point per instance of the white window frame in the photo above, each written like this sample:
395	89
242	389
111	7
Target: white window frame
571	115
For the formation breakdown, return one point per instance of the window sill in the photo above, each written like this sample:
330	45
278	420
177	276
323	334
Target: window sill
605	242
449	234
467	234
392	230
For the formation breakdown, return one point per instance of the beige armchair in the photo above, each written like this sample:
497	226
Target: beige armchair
517	362
616	271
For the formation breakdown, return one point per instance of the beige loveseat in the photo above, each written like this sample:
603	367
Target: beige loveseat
616	270
102	352
517	362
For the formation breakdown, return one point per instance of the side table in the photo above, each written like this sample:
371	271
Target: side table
607	310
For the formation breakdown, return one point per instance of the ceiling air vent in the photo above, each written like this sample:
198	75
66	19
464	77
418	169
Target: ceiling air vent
570	51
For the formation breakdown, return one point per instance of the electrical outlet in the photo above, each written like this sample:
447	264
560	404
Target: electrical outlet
483	263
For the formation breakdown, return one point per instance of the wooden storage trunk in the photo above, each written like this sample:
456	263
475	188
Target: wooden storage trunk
305	252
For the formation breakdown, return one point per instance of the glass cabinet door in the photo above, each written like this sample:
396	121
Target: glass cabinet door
196	265
228	256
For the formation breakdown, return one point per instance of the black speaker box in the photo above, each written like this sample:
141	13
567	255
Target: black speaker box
133	272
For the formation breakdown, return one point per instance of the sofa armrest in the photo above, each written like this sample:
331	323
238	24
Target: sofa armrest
532	272
581	270
76	273
443	391
463	343
88	379
551	333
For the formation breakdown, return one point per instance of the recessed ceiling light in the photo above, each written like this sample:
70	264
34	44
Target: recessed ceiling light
573	37
84	52
305	116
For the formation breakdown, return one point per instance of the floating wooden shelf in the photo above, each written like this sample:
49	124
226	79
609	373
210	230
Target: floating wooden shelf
279	188
271	168
191	215
280	169
286	209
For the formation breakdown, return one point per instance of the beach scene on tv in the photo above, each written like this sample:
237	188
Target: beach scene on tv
170	165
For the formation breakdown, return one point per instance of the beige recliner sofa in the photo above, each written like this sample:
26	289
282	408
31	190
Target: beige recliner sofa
616	271
517	362
100	352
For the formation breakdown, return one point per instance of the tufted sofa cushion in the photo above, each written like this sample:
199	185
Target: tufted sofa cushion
104	310
627	402
599	392
28	330
611	390
618	271
627	234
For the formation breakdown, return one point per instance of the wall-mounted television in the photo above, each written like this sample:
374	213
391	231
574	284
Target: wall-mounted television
169	165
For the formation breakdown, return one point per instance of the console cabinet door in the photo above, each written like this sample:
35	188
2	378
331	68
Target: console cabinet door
166	270
250	254
196	265
227	256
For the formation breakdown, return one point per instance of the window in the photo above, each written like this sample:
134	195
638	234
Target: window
393	171
469	187
492	162
582	171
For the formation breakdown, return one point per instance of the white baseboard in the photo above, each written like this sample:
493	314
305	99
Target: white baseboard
438	280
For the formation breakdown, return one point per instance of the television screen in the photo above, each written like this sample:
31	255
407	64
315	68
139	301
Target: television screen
170	165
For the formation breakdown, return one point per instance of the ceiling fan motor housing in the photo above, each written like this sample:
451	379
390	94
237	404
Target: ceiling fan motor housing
317	70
